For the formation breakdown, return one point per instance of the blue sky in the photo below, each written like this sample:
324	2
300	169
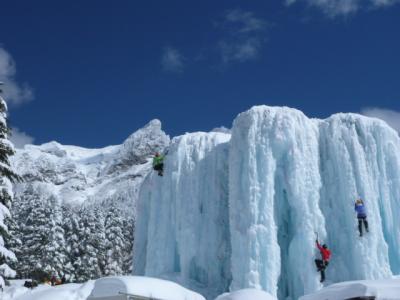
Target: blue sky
89	73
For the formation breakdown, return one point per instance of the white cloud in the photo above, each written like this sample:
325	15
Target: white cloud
172	60
244	36
13	92
246	20
334	8
391	117
242	51
19	138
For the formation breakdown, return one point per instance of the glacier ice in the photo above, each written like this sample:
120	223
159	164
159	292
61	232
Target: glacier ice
242	210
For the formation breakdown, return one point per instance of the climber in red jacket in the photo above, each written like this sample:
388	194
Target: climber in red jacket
324	262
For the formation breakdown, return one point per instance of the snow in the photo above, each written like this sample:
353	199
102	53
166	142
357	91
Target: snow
141	286
69	291
77	175
246	294
6	271
103	287
388	289
242	210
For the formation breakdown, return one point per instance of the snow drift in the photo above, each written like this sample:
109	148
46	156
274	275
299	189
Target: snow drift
241	211
140	286
388	289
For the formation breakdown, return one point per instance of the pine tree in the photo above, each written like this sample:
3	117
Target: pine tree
91	253
14	243
128	231
7	176
44	250
115	242
72	240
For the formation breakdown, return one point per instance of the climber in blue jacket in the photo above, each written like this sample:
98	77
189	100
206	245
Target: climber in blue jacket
359	207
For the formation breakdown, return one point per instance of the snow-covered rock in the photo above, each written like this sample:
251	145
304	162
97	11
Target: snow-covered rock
288	177
141	286
388	289
246	294
78	175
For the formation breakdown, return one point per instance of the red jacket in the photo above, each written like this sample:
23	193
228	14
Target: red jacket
325	253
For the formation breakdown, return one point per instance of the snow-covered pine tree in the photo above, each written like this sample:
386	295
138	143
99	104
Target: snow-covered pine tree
99	238
44	251
7	175
56	251
91	253
14	242
72	241
128	231
115	242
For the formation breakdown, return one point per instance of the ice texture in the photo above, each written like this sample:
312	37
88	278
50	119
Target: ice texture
183	225
249	219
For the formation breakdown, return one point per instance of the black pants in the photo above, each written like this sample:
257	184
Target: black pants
159	168
360	221
321	266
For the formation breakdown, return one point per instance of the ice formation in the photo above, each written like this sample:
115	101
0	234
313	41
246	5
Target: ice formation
242	210
183	224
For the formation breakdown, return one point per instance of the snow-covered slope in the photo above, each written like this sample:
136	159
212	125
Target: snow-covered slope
289	177
77	175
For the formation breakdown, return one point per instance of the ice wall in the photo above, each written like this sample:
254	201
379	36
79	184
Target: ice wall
182	230
274	200
248	219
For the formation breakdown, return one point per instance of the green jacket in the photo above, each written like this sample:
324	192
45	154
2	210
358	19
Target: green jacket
157	160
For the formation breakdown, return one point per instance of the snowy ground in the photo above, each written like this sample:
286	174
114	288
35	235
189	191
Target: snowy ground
69	291
388	289
103	287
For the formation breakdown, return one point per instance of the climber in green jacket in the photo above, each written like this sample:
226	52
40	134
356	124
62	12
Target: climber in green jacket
158	163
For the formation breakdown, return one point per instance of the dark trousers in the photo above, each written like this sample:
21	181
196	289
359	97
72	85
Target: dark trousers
360	221
159	168
321	266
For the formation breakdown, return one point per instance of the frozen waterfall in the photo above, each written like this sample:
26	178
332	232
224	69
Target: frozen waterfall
242	211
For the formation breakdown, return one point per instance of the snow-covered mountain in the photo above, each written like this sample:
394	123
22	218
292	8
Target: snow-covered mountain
242	210
76	175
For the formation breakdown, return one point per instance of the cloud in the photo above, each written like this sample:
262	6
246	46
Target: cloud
172	60
243	36
19	138
240	51
13	92
391	117
245	20
334	8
